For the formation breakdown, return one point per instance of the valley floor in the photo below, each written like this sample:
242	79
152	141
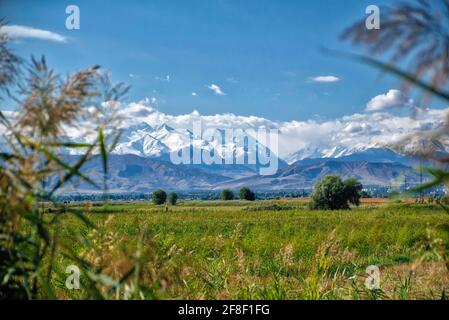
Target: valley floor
265	250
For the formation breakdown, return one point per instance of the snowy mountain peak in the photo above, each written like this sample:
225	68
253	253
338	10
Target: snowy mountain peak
337	151
165	128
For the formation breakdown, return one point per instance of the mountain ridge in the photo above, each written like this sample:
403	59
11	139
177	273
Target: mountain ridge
131	173
303	175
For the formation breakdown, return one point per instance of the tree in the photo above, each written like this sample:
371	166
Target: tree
353	191
159	197
246	194
173	198
227	195
332	193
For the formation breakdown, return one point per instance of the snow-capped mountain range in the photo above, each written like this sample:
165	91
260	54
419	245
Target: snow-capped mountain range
148	132
141	159
145	141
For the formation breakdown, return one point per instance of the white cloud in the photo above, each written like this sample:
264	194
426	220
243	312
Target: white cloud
216	89
306	138
298	139
393	99
194	94
325	79
16	31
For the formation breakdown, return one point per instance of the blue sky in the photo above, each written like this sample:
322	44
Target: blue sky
261	54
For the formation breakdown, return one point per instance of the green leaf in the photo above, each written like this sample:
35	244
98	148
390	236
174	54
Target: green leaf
69	145
104	153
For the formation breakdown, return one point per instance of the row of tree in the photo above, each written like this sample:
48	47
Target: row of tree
160	197
331	193
244	194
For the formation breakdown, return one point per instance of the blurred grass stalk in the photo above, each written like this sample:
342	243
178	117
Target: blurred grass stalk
419	31
32	171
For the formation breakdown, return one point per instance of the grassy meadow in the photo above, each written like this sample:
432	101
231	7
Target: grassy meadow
275	249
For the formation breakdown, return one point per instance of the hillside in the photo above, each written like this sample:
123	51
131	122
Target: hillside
131	173
305	175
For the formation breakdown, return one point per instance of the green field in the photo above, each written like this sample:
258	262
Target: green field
264	250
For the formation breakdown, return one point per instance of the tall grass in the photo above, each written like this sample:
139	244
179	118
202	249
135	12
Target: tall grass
32	170
263	254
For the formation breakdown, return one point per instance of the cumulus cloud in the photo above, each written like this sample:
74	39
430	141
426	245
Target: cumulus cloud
298	139
216	89
16	31
356	127
325	79
194	94
393	99
306	138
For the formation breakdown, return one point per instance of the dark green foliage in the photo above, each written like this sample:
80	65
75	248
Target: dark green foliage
332	193
159	197
227	194
246	194
173	198
353	190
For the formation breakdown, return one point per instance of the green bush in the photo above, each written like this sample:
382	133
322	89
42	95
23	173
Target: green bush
332	193
159	197
247	194
173	198
227	195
